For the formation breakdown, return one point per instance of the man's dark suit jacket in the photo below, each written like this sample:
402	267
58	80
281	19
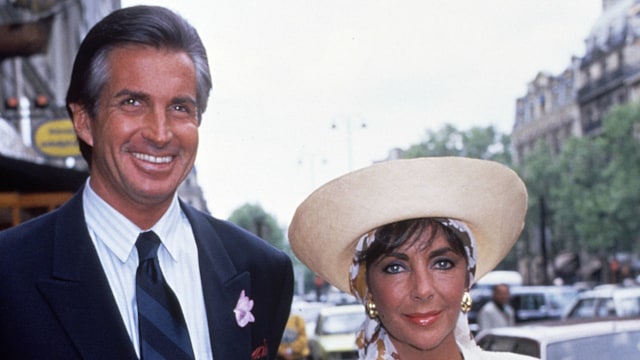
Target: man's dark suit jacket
56	303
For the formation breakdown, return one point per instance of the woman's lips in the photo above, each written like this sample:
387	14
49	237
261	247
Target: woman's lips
423	319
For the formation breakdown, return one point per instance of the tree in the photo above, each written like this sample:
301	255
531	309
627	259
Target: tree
596	200
621	176
254	219
477	142
590	187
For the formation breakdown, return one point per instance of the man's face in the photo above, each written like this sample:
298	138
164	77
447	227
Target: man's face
502	295
145	134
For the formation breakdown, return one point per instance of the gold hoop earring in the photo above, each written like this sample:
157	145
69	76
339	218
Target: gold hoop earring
372	312
465	306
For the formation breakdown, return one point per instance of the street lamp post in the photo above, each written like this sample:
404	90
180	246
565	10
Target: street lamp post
362	125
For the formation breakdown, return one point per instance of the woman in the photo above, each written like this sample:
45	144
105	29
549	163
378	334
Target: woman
408	238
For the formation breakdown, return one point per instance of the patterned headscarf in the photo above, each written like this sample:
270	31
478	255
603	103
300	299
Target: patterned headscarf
372	339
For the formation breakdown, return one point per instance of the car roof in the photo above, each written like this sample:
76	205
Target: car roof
611	292
342	309
540	288
495	277
553	331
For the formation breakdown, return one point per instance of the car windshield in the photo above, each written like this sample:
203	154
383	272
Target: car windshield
621	346
602	307
629	306
585	308
560	299
342	323
512	344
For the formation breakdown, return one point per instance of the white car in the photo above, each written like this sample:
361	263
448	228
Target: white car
309	311
606	302
593	340
335	334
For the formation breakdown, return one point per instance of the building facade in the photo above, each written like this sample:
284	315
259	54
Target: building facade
574	103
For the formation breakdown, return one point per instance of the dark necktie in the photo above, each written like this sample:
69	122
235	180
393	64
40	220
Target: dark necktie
163	331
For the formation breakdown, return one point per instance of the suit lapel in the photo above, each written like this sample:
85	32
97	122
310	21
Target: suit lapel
79	293
221	285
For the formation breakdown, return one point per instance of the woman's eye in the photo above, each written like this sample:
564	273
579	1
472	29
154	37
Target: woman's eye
444	264
393	269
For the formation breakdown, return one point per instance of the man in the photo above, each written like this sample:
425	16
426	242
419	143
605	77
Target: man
125	269
497	312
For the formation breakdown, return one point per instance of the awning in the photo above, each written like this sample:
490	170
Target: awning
27	177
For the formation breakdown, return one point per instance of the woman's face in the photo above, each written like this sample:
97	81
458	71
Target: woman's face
417	292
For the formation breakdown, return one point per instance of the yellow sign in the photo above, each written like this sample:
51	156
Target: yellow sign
57	138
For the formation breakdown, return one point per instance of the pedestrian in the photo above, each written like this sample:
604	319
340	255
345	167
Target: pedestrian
497	312
408	238
295	342
125	269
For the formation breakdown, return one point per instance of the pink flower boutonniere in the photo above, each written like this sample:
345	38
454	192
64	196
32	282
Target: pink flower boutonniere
243	310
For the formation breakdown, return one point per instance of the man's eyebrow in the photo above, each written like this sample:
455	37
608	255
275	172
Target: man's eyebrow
132	93
184	99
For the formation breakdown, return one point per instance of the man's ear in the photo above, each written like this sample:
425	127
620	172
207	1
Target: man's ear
81	123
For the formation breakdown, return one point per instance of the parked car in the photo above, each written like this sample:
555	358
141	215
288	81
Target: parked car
606	302
534	303
335	334
309	311
562	340
511	278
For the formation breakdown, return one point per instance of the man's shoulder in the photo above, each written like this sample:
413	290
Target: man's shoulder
45	225
488	307
41	226
234	238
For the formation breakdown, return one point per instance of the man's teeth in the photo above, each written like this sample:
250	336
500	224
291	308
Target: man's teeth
153	159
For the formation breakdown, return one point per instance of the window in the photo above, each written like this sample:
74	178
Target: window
585	308
510	344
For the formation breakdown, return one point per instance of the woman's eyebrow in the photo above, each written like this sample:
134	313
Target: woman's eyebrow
398	255
441	251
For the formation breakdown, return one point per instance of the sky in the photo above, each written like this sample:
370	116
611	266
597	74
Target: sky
305	91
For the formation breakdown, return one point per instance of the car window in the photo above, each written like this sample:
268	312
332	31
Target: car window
342	323
510	344
606	308
584	308
629	306
560	300
621	346
530	301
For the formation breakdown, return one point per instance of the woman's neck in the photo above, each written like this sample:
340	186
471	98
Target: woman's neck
446	350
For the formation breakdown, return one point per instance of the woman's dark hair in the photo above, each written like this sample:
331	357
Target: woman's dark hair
392	236
153	26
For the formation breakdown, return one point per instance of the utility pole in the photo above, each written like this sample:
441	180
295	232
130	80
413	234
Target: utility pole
543	240
363	125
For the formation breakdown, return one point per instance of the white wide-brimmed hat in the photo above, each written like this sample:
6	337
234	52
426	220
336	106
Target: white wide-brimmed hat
487	196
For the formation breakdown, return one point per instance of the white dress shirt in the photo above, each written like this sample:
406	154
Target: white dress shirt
114	238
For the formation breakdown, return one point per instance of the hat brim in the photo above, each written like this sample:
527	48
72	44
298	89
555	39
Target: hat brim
487	196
